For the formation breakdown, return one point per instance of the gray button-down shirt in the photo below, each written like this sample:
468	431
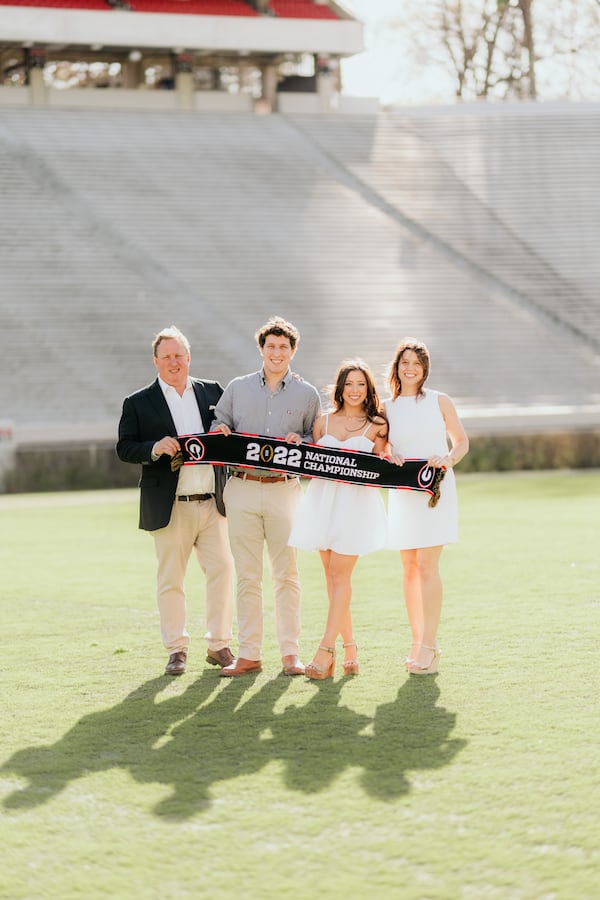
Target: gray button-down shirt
249	406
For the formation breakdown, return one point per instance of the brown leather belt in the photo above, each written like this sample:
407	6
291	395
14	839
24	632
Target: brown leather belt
188	498
268	479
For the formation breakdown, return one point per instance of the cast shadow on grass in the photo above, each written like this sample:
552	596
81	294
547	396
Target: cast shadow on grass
122	736
209	734
410	734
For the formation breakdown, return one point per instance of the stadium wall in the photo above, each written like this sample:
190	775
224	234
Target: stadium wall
323	101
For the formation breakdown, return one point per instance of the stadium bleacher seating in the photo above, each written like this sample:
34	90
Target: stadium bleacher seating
301	9
195	7
286	9
60	4
537	248
359	229
188	7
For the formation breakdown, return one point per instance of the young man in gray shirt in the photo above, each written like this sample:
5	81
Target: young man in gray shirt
273	402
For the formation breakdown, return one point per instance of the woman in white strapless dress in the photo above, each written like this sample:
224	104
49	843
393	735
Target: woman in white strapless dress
420	423
343	521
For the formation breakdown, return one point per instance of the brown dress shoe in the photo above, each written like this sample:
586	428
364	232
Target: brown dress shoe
241	666
223	657
176	664
292	665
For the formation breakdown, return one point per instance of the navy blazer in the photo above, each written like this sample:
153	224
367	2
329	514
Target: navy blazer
146	419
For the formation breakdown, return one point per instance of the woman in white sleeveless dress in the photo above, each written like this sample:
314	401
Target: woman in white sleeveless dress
343	521
420	423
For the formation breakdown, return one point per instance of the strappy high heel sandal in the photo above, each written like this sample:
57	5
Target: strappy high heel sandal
351	666
416	668
410	660
318	673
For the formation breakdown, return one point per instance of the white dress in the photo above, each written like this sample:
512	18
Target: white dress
347	518
418	431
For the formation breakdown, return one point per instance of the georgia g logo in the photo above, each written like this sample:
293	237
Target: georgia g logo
195	449
426	476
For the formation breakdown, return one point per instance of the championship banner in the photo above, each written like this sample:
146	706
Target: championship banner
308	461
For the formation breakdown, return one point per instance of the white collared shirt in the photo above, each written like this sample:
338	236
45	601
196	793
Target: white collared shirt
198	479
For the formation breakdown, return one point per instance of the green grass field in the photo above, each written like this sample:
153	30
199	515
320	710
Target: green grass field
482	782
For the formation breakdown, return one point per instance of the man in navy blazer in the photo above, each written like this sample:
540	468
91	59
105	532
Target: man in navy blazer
184	509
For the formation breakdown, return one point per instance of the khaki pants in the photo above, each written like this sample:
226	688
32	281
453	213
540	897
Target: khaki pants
196	525
259	513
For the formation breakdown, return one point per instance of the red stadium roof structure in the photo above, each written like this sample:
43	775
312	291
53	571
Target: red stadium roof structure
189	7
286	9
255	50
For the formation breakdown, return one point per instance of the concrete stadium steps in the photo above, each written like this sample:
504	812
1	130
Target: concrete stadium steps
552	198
115	224
515	190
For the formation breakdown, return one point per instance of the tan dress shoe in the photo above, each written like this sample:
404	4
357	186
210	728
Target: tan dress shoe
292	665
223	657
176	664
241	666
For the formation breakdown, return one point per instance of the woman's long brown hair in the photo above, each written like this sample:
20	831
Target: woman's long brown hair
372	403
